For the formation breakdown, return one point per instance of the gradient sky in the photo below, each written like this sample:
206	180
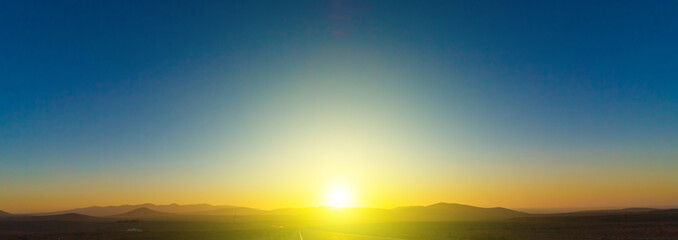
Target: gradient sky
531	104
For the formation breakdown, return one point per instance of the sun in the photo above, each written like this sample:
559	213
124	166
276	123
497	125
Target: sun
339	196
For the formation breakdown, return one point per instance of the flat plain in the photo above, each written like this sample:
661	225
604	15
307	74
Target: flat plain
609	226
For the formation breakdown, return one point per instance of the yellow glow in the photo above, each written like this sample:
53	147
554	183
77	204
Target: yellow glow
339	196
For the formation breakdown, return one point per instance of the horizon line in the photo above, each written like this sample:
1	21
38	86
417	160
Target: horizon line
538	210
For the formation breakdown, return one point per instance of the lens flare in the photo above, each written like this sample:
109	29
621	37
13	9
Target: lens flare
339	196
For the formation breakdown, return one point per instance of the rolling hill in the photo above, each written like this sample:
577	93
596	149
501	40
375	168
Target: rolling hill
434	212
143	213
72	217
4	214
116	210
68	217
608	212
453	212
232	211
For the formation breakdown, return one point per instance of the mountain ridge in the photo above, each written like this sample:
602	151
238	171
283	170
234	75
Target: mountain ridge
67	217
4	214
441	211
455	212
142	213
233	211
104	211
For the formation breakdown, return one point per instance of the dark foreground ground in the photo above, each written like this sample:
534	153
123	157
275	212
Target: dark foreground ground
637	226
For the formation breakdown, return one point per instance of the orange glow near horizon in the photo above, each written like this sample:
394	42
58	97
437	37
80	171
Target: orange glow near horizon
534	105
372	189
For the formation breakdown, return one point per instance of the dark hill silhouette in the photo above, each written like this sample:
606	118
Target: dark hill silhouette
68	217
233	211
608	212
435	212
176	208
430	213
602	216
673	211
142	213
4	214
116	210
454	212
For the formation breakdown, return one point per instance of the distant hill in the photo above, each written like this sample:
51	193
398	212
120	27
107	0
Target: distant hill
176	208
232	211
4	214
74	217
665	211
143	213
116	210
453	212
607	212
621	215
435	212
68	217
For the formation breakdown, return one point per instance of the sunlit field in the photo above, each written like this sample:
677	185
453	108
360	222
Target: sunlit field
326	225
393	231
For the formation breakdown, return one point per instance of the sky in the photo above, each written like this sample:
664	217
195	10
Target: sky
268	104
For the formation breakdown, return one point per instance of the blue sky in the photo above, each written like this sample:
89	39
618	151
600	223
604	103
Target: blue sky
90	88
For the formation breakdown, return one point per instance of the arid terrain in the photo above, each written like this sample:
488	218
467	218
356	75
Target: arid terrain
433	222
